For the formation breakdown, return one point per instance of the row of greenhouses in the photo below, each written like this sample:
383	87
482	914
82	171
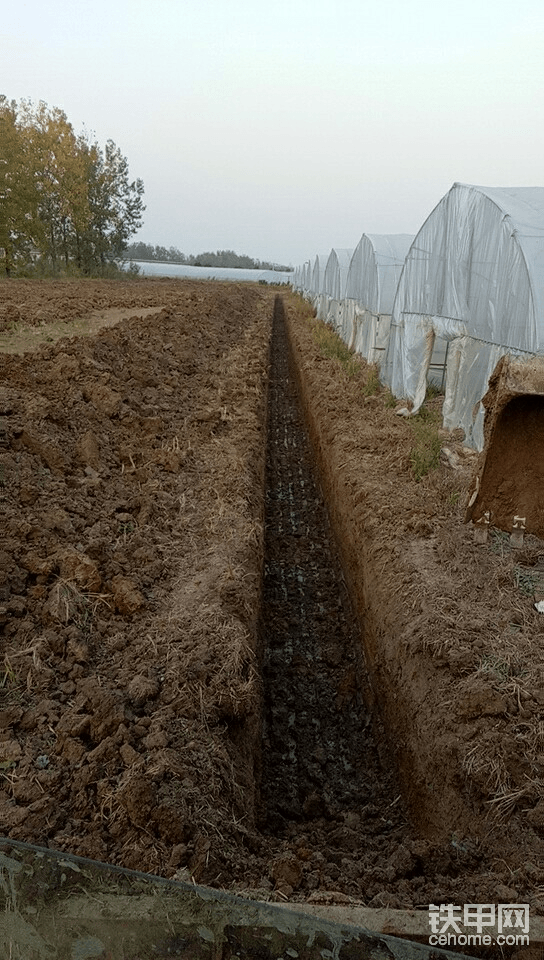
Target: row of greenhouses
444	305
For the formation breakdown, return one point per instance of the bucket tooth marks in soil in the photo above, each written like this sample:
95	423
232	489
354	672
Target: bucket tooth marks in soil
319	757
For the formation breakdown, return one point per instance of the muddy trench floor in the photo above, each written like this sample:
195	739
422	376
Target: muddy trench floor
322	769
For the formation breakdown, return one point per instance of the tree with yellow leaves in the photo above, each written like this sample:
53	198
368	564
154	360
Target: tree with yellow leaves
64	202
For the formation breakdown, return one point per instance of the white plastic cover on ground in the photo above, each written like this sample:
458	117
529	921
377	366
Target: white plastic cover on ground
152	268
330	299
473	281
373	275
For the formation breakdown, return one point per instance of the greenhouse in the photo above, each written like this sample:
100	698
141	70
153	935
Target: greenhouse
374	271
304	279
332	293
471	291
316	278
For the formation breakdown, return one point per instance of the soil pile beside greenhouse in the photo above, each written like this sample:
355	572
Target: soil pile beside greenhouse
133	467
507	486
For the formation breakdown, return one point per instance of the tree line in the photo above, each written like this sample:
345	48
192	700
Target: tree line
66	204
221	258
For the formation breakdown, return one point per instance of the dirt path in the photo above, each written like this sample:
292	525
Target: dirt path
19	336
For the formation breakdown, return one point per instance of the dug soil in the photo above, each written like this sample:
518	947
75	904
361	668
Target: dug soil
327	691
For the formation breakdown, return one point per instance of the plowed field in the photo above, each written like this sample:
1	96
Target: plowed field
243	643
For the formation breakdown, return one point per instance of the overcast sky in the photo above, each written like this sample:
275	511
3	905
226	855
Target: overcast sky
284	128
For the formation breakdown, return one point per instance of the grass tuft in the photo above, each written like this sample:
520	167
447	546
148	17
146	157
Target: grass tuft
372	386
334	348
427	443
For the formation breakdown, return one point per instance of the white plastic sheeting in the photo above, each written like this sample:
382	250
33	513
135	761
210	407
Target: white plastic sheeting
304	279
317	279
467	290
154	268
373	275
330	298
473	281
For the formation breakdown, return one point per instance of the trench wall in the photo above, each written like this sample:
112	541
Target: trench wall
402	681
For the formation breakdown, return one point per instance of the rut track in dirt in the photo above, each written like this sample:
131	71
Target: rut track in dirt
320	755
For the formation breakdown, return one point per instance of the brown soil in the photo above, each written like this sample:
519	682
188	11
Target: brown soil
507	486
132	470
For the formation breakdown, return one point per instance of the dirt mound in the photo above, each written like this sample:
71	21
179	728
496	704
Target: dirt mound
130	466
507	487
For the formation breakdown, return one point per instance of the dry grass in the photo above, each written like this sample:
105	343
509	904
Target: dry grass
70	604
427	443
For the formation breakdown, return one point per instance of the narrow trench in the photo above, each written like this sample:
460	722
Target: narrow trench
321	766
